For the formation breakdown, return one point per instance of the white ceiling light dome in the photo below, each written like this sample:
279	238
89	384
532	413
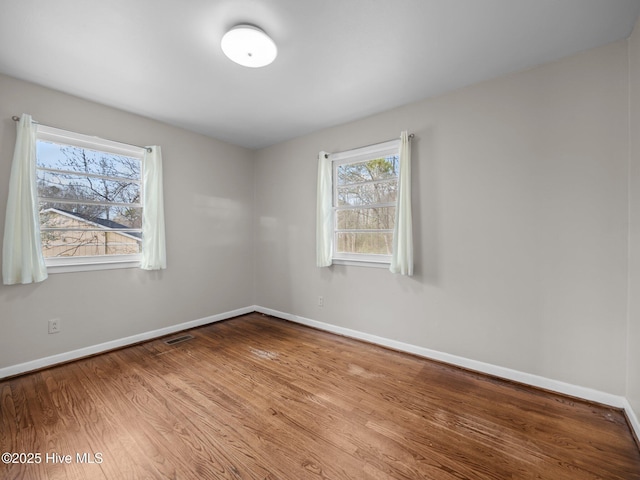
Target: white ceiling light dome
249	46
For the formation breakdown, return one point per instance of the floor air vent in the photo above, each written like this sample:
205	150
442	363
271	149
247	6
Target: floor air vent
180	339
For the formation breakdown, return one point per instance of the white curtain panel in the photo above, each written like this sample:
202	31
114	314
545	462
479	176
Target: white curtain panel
402	256
22	259
324	223
154	256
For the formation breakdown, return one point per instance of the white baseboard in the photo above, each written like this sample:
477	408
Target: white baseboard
122	342
502	372
633	418
490	369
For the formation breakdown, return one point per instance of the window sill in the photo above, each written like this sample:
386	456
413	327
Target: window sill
86	264
361	263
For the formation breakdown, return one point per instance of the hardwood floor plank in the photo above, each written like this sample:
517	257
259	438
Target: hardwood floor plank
264	410
260	398
122	448
8	417
145	407
103	432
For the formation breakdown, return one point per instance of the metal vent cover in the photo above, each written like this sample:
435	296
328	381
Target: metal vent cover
180	339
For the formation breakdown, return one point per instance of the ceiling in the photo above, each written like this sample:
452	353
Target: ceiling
339	60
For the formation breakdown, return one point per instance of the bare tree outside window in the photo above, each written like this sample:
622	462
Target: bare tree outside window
90	201
365	198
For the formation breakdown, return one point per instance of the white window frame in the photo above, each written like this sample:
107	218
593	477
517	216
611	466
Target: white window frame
97	262
363	154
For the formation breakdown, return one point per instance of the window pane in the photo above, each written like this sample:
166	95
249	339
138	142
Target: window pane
380	243
377	169
83	160
63	185
80	185
382	218
384	192
83	243
79	216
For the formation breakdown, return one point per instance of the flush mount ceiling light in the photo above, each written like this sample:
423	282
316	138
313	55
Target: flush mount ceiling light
249	46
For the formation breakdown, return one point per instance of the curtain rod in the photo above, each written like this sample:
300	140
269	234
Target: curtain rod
15	118
411	135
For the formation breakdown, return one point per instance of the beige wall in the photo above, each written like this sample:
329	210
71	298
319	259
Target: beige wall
520	208
208	187
633	361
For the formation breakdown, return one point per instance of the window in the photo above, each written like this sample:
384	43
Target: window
90	200
363	208
365	186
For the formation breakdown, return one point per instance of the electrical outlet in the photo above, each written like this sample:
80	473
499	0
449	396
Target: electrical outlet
54	325
321	301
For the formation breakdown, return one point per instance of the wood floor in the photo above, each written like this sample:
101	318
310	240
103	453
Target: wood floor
259	398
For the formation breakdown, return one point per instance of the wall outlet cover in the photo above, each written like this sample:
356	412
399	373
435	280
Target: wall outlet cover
54	325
